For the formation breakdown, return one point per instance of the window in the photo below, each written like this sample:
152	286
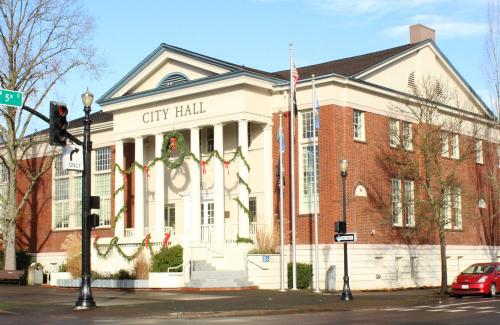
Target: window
61	195
207	213
170	215
479	151
447	209
393	133
359	125
398	209
455	147
407	136
173	79
396	202
458	209
409	203
308	187
102	183
210	139
444	144
252	207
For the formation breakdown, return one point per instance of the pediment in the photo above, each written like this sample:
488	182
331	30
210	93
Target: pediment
168	66
410	69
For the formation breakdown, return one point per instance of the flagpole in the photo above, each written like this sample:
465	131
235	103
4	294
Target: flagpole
316	253
282	228
292	172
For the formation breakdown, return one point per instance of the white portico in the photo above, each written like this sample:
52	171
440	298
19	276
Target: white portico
222	118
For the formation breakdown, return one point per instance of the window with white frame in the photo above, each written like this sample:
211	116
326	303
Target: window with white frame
102	184
210	139
403	210
308	187
393	133
455	146
252	207
444	144
397	212
170	215
457	205
479	151
409	193
447	209
61	195
359	125
407	136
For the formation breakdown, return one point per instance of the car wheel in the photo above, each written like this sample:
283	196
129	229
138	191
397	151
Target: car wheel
493	290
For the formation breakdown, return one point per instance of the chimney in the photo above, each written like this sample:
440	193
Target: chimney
419	33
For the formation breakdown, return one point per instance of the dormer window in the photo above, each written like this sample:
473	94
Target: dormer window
173	79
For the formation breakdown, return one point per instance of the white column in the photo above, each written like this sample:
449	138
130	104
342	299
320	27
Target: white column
120	196
139	189
159	190
219	183
243	223
268	176
195	186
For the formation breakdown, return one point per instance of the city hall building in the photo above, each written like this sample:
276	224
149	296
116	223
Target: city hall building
185	151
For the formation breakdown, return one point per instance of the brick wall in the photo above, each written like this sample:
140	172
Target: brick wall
370	216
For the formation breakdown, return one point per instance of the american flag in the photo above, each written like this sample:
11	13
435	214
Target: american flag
295	74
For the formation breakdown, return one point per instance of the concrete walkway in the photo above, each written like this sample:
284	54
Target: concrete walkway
19	305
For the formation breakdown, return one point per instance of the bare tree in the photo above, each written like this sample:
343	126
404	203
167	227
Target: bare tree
437	129
42	41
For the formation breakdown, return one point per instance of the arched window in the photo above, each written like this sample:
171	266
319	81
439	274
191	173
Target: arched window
173	79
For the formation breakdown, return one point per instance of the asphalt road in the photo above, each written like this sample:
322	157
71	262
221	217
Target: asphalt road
39	305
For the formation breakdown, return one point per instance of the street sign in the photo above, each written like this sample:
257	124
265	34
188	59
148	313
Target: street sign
73	157
346	238
11	98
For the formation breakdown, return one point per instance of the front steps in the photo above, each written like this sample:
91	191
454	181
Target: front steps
204	275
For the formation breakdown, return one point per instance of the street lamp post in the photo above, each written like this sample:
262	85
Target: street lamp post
346	290
85	299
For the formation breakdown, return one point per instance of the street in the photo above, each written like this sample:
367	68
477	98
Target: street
23	305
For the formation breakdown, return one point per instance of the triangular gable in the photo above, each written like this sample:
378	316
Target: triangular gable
164	61
425	60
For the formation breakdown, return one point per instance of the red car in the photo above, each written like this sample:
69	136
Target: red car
477	279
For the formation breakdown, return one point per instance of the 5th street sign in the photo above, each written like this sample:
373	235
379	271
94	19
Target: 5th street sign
346	238
11	98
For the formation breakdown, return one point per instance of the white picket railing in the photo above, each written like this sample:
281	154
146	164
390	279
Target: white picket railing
129	232
170	230
207	233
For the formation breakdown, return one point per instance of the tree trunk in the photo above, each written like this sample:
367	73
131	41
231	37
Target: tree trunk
444	268
10	225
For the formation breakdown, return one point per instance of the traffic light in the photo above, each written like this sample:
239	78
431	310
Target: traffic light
58	124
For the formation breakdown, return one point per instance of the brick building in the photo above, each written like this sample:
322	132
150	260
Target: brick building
185	128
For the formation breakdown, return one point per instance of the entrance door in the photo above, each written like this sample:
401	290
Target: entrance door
207	221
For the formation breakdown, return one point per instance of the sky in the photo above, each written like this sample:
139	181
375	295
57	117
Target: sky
257	33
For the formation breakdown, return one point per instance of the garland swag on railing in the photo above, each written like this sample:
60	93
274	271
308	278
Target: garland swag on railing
114	243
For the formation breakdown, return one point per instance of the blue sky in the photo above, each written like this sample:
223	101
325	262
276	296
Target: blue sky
256	33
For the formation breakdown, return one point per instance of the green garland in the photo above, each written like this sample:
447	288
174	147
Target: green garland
114	243
172	141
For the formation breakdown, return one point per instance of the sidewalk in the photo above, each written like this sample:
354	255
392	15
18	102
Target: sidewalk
17	303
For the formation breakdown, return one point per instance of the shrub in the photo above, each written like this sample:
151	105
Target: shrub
122	275
304	275
266	242
72	245
141	267
23	260
167	257
63	268
243	240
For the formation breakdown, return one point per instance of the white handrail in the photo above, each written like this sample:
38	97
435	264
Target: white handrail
178	266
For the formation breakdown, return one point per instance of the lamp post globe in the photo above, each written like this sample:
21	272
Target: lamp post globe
85	299
346	290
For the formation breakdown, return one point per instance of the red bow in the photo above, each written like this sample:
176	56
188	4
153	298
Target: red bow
166	239
203	167
145	169
173	143
146	240
226	165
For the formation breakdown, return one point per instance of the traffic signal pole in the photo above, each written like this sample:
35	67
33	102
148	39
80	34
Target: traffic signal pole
46	119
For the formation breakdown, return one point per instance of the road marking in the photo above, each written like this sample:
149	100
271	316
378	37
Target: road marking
485	311
484	307
455	311
439	310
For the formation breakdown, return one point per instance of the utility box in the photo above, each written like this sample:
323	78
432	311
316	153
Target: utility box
35	274
331	278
